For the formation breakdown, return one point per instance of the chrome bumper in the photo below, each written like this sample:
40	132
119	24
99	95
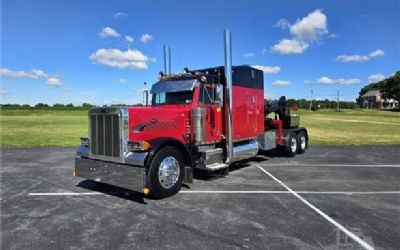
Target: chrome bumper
132	177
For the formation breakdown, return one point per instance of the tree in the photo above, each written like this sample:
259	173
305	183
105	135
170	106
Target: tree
390	88
41	105
58	106
86	105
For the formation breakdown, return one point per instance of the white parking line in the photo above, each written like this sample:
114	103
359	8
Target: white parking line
321	213
284	192
230	192
333	165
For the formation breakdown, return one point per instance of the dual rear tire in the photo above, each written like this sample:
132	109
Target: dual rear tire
296	144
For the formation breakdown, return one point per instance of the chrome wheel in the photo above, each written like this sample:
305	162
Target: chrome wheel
293	144
168	172
303	143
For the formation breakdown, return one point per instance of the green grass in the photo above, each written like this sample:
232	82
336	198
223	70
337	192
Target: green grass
27	128
352	127
22	128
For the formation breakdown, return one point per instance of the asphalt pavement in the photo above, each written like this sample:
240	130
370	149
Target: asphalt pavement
327	198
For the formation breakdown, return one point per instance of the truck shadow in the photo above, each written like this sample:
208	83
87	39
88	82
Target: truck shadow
222	173
267	155
197	174
112	191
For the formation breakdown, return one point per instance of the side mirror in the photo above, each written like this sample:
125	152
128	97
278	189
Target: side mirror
219	95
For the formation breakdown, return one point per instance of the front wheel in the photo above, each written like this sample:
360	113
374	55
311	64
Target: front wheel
166	172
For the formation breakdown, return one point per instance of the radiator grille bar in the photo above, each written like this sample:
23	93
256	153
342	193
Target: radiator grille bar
105	135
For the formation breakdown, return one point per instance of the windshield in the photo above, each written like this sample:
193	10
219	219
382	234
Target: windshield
172	98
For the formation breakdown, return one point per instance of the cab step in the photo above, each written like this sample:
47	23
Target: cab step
216	166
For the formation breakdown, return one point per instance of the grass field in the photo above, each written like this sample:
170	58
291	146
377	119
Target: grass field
352	127
21	128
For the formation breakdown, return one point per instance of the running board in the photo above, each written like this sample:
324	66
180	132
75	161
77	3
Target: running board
216	166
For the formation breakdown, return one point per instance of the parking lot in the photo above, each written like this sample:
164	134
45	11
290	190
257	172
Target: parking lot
327	198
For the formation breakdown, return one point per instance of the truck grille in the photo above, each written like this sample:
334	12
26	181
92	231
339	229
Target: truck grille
105	135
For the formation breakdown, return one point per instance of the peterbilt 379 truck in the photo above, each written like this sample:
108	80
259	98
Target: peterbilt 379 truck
198	120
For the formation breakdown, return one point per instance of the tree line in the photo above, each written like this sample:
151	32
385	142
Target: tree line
293	103
320	104
57	106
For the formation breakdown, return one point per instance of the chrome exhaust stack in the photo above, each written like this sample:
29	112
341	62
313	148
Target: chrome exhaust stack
228	94
167	60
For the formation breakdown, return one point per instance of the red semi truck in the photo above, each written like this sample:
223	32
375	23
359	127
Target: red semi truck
198	120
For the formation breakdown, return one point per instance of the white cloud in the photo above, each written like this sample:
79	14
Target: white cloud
332	35
121	15
287	46
311	27
248	55
376	78
376	53
130	59
34	73
281	83
145	38
349	81
304	32
129	39
109	32
352	58
53	81
3	92
342	81
268	69
122	80
39	73
360	58
282	23
325	80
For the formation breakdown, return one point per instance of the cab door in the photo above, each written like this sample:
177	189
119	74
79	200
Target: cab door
213	121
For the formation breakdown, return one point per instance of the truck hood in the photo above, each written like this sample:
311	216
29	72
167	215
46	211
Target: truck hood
149	123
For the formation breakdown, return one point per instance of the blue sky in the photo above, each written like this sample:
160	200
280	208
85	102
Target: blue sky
71	51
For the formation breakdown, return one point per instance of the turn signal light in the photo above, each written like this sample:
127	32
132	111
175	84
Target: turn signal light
146	191
139	145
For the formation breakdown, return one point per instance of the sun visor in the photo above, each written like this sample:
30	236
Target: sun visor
174	86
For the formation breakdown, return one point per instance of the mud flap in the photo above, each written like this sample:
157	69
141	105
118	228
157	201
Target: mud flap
188	177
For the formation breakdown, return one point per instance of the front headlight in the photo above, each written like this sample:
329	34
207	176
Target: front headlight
84	141
138	145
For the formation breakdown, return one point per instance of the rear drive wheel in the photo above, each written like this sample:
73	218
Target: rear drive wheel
302	142
291	146
165	173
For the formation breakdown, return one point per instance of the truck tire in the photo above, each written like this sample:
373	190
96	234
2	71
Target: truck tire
166	172
302	142
291	145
